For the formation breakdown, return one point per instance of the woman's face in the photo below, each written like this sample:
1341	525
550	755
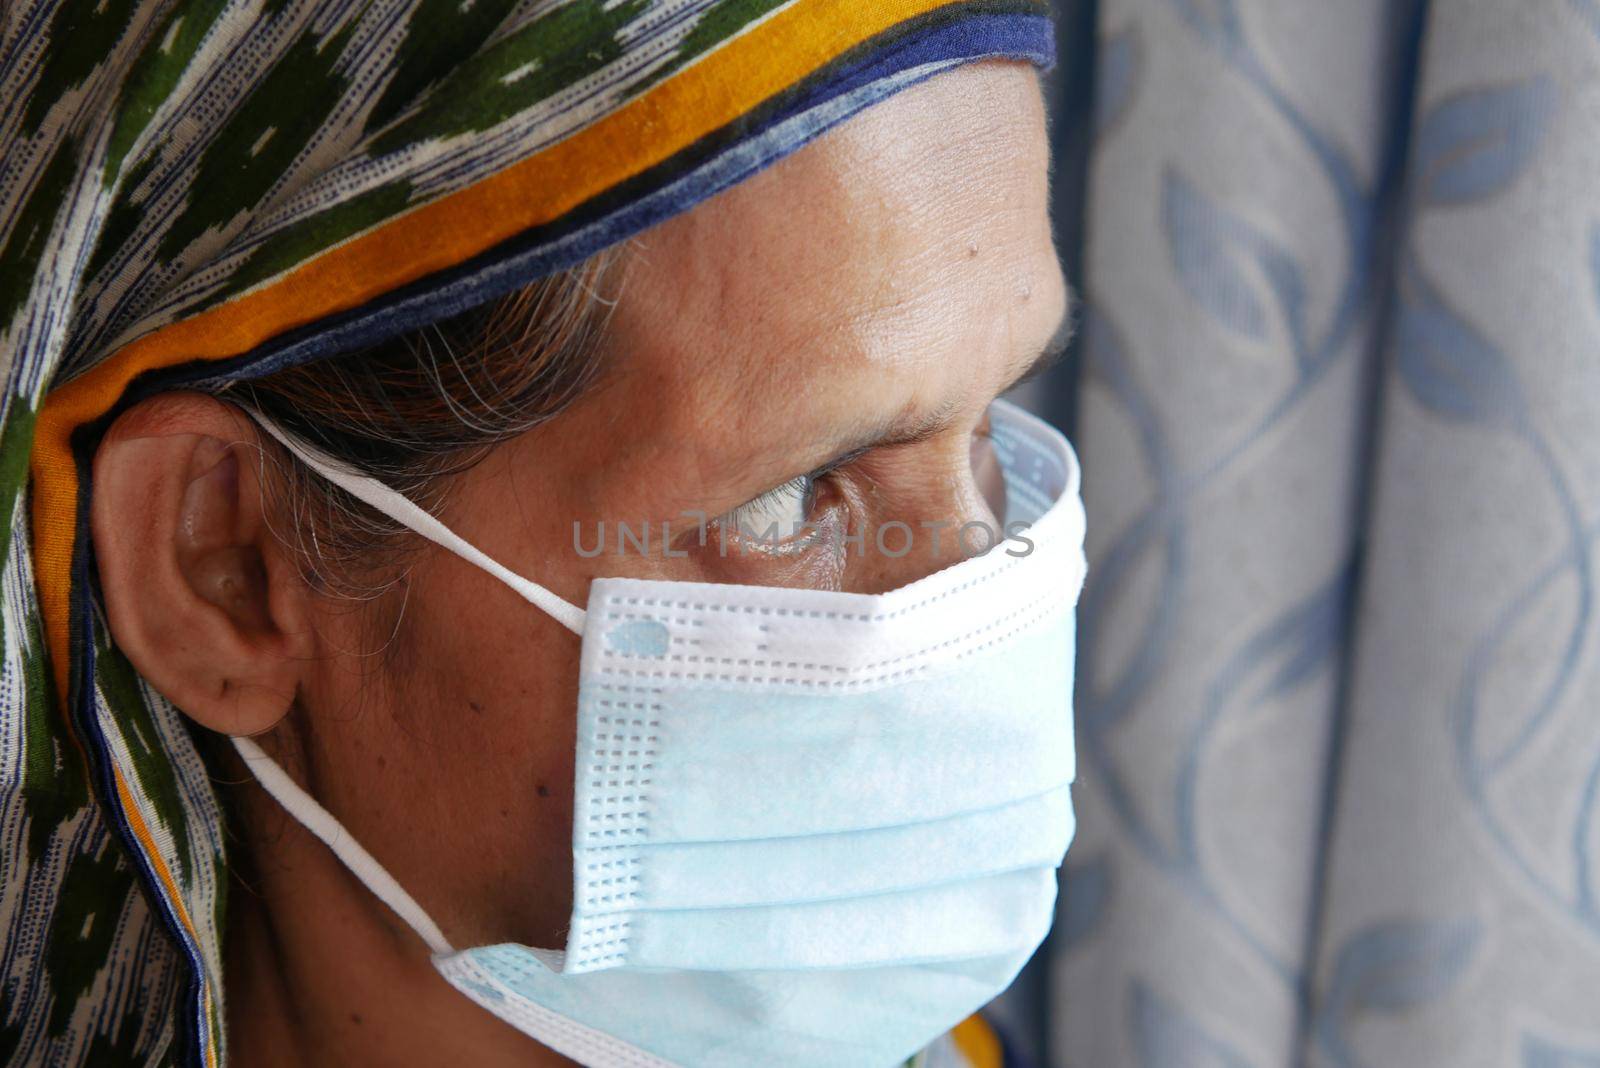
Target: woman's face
818	344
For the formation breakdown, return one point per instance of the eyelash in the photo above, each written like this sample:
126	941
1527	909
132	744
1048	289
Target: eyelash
800	490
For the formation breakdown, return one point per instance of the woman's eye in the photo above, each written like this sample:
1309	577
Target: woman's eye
779	513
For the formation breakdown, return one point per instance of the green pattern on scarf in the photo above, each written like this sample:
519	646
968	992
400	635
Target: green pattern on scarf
24	247
300	241
92	896
81	37
124	696
438	36
155	74
548	54
251	153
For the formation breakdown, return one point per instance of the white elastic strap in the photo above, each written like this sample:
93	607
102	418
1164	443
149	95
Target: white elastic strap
397	507
320	822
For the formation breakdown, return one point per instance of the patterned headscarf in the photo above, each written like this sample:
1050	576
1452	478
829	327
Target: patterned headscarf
200	191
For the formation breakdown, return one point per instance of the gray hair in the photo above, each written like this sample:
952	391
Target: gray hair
423	405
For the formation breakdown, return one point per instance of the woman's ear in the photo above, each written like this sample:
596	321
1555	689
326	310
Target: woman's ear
201	596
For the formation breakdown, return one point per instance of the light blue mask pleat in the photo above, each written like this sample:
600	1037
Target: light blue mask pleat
950	921
993	728
786	871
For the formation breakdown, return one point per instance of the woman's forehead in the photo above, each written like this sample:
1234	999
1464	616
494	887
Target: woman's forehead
849	277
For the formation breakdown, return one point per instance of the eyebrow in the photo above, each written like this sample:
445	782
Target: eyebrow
852	445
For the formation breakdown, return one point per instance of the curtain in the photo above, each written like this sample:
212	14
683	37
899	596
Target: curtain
1336	393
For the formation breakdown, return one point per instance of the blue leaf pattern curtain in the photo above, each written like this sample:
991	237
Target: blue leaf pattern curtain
1338	405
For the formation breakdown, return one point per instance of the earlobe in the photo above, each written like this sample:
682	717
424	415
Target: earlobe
199	593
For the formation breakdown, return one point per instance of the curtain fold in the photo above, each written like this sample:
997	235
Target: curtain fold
1337	398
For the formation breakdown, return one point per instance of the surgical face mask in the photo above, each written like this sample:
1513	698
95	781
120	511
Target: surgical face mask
810	828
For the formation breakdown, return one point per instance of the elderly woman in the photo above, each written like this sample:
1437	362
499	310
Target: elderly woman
556	447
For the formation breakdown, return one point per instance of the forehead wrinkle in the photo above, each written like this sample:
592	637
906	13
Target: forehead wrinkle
792	403
775	421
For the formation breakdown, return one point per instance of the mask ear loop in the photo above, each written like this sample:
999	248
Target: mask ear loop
301	805
392	504
320	822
